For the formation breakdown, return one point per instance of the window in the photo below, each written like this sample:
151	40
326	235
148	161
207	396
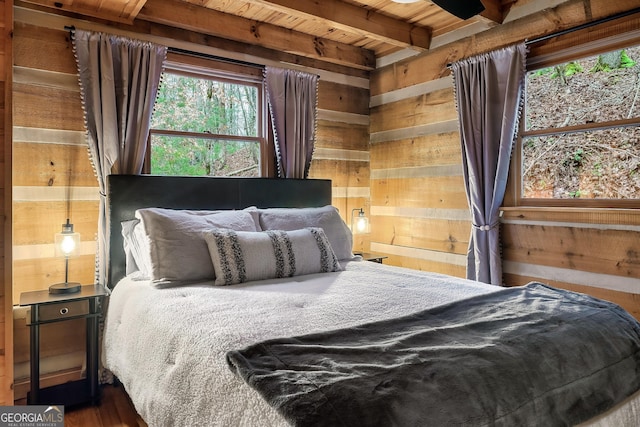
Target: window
208	122
580	136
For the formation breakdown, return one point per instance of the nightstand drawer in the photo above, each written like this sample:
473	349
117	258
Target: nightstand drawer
61	310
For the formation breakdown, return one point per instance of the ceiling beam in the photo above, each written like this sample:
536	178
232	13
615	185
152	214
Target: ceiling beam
355	19
208	21
112	10
189	41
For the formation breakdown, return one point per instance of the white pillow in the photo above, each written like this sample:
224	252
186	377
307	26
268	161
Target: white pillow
176	248
326	217
127	232
240	257
136	249
131	246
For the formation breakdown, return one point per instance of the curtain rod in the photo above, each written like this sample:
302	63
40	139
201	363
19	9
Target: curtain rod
221	58
72	30
579	27
214	57
583	26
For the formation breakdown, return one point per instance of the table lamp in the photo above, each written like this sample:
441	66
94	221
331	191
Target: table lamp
67	243
359	221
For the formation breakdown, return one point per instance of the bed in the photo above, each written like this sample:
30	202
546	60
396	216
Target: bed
299	349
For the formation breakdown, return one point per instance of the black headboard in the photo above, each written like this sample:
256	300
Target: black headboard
126	193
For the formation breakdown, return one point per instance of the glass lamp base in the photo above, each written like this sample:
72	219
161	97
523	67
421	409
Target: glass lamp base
65	288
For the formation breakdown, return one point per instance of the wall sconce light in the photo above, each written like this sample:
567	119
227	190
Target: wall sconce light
67	244
359	222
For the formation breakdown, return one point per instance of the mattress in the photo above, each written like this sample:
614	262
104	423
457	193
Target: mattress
167	345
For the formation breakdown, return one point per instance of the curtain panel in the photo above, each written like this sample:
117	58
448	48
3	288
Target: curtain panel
292	99
489	93
119	80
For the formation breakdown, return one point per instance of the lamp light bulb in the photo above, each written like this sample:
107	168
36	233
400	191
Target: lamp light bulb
361	224
68	245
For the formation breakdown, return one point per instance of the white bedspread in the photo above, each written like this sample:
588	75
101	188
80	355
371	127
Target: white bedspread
167	346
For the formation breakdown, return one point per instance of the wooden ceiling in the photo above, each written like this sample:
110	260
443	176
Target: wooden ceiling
354	33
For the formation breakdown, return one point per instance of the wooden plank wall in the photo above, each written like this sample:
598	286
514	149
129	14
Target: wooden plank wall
6	329
591	251
49	142
50	166
341	152
419	208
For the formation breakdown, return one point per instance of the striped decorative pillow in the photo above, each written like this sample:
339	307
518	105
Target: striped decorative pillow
240	256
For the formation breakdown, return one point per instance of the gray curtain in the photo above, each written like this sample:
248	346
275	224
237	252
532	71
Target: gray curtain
489	91
293	105
119	80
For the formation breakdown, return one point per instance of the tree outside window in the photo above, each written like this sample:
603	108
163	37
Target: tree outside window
206	126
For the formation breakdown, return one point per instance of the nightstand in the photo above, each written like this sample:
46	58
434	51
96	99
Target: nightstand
371	257
50	308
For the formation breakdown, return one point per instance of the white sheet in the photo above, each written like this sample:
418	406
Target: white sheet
167	346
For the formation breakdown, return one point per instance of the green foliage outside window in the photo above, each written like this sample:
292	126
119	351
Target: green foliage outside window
192	122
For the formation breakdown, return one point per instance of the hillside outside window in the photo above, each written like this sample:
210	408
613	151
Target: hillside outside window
580	134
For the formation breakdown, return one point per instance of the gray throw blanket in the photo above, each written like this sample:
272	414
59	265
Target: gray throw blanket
528	356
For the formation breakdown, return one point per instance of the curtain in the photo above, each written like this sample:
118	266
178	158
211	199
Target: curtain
293	105
489	92
119	81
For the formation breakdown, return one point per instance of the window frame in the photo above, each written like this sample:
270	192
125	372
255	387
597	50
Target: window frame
228	72
572	47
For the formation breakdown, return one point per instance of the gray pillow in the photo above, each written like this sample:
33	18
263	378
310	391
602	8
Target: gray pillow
176	246
326	217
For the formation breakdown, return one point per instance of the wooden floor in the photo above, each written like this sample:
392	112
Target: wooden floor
115	410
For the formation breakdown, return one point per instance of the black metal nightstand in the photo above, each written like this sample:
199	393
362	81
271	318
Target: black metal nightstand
371	257
50	308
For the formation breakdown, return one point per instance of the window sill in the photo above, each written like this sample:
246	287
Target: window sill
572	214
